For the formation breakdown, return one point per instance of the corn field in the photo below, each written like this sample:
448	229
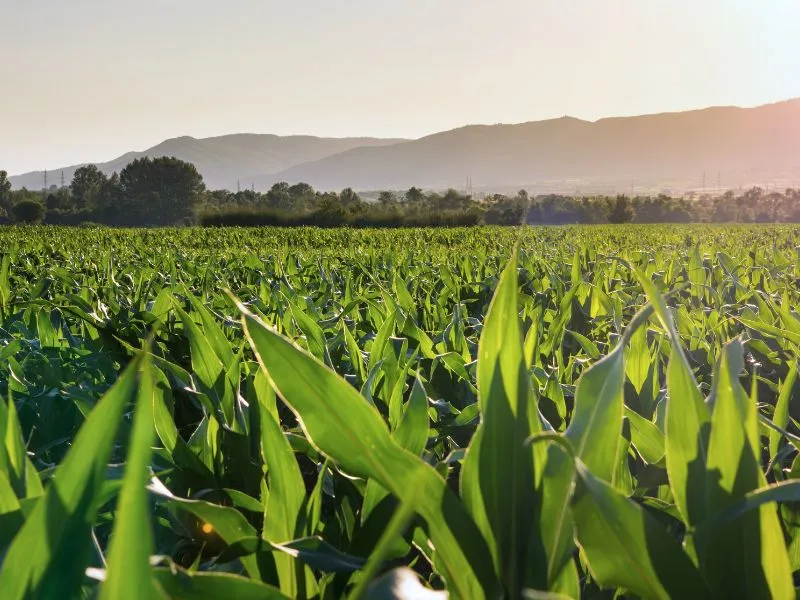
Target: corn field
545	413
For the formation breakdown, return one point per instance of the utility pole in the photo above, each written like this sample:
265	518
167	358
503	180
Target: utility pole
62	179
45	181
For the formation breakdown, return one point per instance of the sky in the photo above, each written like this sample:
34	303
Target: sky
88	80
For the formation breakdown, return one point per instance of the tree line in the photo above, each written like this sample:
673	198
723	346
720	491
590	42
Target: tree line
168	191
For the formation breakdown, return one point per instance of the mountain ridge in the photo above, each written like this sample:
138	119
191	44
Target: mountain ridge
728	145
224	159
732	145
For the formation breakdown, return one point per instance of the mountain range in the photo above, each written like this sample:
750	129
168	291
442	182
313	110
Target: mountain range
223	161
720	146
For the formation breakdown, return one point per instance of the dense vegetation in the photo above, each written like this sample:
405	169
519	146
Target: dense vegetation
269	413
167	191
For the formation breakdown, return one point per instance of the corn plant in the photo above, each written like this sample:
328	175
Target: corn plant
481	413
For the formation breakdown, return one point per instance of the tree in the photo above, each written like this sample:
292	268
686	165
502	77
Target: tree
453	200
279	196
387	199
160	191
621	210
109	197
87	183
348	197
28	211
300	191
5	191
330	212
414	196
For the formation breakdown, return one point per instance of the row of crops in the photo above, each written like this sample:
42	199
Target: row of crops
548	413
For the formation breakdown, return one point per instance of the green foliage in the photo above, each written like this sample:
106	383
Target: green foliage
87	184
161	190
567	412
28	211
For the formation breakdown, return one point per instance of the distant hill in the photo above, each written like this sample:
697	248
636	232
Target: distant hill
227	159
677	151
734	146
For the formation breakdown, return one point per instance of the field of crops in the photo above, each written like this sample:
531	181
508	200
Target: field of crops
577	412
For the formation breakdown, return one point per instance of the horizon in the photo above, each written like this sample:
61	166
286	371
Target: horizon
97	80
400	140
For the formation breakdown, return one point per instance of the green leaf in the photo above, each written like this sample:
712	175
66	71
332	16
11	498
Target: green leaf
180	584
342	425
688	420
381	340
787	491
315	337
21	474
284	505
213	333
47	558
508	494
412	434
748	555
320	555
597	419
413	430
781	416
627	547
208	367
129	570
646	438
230	526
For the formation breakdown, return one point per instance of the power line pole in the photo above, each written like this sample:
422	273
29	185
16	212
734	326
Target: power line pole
45	181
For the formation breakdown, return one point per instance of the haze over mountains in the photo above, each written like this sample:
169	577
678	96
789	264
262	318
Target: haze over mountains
223	161
678	151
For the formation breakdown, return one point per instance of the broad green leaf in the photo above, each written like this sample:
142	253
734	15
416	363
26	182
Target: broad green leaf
749	554
411	434
342	425
627	547
212	330
129	573
597	419
47	558
646	438
179	584
688	420
381	339
315	337
508	495
208	367
787	491
320	555
230	526
781	416
284	505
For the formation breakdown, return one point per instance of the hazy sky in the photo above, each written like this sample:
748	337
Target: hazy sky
87	80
